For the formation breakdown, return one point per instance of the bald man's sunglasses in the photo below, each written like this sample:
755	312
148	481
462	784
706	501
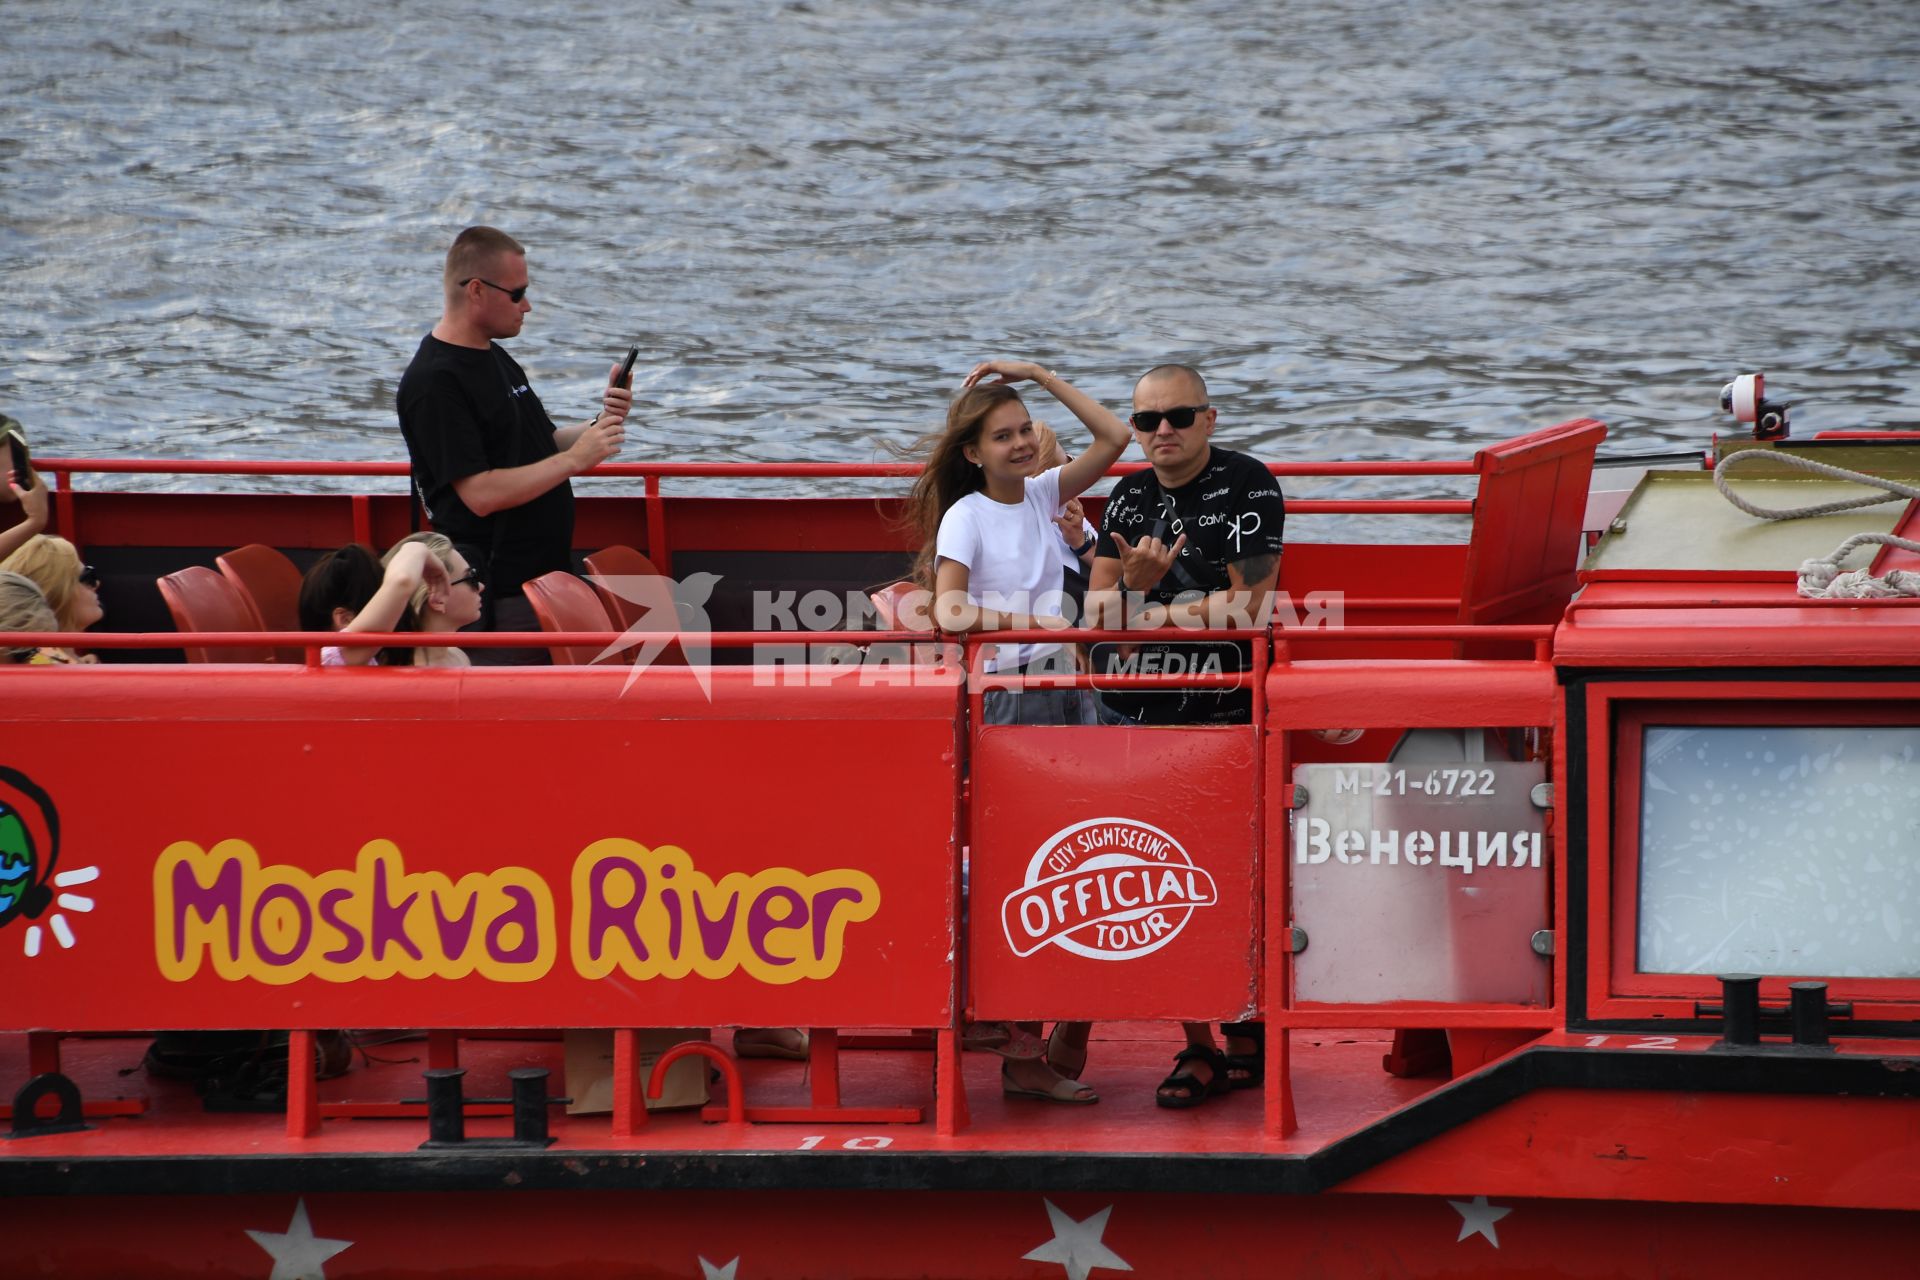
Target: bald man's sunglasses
1178	419
513	295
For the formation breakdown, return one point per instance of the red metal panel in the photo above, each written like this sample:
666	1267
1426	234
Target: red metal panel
1472	1225
1113	873
467	849
1628	1145
1730	622
1409	694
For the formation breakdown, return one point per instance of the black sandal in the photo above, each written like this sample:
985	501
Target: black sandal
1193	1090
1247	1070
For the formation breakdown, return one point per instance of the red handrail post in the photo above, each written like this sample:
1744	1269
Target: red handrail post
950	1114
443	1049
64	522
823	1066
303	1096
43	1052
1273	766
629	1106
657	549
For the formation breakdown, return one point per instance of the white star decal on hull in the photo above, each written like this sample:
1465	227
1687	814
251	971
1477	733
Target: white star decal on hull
1076	1245
1477	1218
297	1253
710	1272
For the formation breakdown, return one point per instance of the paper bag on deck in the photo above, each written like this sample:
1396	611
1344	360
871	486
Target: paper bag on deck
590	1070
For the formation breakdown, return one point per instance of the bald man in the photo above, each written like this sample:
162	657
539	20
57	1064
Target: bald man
1193	542
491	468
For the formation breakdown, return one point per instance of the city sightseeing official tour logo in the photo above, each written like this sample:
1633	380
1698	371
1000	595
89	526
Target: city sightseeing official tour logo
1106	889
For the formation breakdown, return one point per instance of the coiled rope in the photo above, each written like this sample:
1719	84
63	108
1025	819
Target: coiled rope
1822	578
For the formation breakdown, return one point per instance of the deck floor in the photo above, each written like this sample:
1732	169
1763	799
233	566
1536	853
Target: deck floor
1338	1079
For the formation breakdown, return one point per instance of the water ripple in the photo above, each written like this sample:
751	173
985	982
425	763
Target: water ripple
1387	230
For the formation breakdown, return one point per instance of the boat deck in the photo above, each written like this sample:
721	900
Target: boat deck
1340	1086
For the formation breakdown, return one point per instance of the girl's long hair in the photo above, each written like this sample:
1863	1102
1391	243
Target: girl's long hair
948	476
347	579
343	579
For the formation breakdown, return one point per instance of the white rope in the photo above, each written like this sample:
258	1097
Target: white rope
1822	578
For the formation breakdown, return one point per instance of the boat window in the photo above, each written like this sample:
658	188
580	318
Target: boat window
1780	849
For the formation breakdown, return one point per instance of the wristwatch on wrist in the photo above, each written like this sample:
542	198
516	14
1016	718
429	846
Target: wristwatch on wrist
1086	546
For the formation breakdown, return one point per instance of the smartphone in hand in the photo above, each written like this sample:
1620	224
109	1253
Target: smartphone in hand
625	378
18	458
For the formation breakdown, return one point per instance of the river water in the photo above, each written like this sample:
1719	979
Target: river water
1383	229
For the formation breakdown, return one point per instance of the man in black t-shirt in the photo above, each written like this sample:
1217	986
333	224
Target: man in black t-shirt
1194	541
490	466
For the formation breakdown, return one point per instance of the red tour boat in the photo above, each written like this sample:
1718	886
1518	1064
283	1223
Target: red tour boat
1571	867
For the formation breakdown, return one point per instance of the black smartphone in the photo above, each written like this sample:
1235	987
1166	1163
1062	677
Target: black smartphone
19	460
626	368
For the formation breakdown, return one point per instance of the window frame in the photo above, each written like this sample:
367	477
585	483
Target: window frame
1618	717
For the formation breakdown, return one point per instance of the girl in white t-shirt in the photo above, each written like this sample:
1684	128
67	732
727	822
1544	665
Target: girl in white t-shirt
988	533
991	553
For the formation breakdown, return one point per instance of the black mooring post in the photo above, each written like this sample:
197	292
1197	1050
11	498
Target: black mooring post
1740	1008
529	1104
1809	1011
446	1112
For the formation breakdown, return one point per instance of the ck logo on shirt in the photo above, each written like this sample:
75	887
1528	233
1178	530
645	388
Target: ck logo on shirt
1245	524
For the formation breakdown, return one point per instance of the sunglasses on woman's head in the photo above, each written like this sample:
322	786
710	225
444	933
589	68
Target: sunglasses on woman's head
1179	419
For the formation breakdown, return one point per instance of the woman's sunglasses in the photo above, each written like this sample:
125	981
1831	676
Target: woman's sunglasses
469	579
89	576
1178	419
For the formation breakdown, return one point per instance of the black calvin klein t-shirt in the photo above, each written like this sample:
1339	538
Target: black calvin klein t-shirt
464	411
1232	511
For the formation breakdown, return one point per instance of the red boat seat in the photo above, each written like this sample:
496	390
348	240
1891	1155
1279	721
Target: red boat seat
644	594
270	583
563	602
1524	557
201	600
622	562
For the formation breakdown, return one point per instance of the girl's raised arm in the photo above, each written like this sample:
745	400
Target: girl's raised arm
413	564
1110	435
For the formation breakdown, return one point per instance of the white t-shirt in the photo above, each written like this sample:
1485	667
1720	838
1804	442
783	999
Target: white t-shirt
1010	556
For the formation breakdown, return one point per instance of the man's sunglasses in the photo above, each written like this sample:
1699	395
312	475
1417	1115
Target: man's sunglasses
89	576
1179	419
513	295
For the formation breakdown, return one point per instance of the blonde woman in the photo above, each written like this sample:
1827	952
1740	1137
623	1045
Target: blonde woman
71	587
437	605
